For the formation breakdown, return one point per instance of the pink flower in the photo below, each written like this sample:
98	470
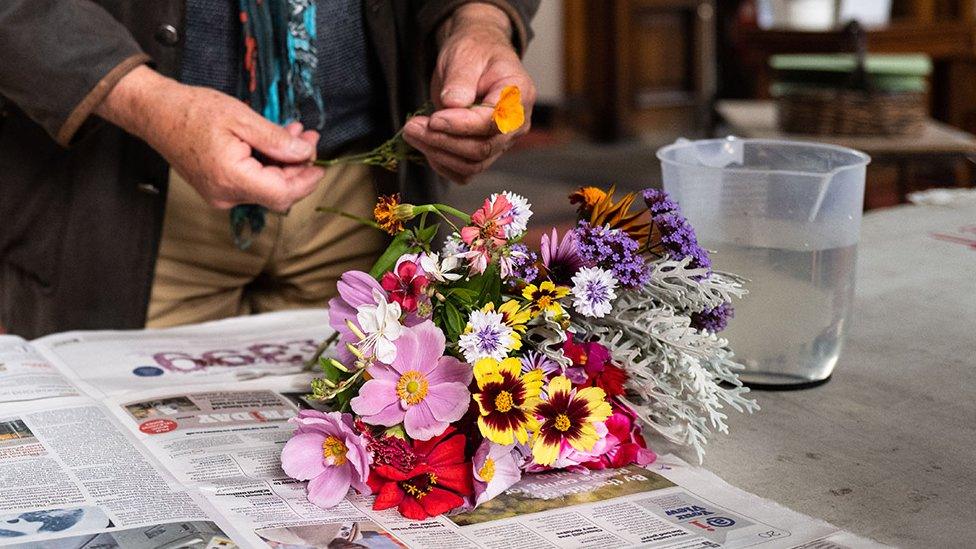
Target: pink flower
561	258
422	388
625	444
356	289
486	231
327	452
589	359
406	285
496	469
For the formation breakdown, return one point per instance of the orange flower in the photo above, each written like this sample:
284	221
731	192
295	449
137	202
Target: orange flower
390	214
509	115
617	215
587	198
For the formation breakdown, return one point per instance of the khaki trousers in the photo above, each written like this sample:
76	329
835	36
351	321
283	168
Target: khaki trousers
293	263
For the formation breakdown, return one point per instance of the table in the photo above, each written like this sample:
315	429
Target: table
887	448
939	142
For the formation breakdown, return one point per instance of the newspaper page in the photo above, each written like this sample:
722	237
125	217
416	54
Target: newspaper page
207	407
26	375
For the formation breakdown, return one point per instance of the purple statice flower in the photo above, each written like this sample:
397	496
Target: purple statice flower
679	241
713	320
561	258
613	250
524	263
534	360
659	202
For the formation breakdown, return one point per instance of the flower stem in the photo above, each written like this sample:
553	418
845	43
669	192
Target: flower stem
363	220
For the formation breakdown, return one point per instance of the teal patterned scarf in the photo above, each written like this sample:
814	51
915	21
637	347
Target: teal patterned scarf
279	66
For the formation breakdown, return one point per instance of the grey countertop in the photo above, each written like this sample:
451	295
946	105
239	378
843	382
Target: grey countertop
887	448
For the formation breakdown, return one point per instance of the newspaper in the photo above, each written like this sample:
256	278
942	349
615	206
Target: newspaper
172	438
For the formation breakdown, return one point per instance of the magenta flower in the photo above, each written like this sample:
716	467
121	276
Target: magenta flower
561	258
406	284
422	388
327	452
356	289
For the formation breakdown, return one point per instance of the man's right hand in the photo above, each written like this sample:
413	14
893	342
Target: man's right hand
211	139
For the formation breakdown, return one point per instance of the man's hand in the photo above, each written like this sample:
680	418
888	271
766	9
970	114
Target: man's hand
211	139
476	61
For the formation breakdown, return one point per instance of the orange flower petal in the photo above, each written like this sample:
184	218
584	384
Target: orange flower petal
509	114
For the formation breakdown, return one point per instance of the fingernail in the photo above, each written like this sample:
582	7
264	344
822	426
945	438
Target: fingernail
439	124
299	147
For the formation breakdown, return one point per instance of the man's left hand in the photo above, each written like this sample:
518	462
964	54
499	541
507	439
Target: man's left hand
476	61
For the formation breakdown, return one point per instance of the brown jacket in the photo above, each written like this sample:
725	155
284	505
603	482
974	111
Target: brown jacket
81	201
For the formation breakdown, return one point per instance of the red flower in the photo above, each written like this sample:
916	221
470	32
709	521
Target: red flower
406	286
438	483
592	367
487	229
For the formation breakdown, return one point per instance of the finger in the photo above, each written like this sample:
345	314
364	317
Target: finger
274	141
471	148
454	164
474	121
459	82
294	128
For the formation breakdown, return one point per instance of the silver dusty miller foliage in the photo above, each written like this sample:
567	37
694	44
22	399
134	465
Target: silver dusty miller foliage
676	372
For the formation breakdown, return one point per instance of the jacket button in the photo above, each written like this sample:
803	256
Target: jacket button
167	35
148	188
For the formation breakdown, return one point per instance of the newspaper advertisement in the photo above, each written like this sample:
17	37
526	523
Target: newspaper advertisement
98	455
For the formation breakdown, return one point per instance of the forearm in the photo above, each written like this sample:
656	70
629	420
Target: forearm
138	100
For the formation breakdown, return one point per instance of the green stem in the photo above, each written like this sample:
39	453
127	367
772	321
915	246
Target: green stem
453	211
363	220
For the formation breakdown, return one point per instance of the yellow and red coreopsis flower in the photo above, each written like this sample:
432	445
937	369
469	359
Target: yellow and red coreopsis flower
545	297
568	415
507	399
509	114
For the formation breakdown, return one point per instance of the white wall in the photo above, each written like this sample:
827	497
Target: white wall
544	58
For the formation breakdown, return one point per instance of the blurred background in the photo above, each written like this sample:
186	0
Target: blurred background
619	78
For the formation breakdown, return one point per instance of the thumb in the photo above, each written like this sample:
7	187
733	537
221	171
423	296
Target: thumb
274	141
460	84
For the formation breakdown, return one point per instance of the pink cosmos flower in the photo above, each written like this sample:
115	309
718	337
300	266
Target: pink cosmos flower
625	444
327	452
561	258
496	469
406	284
422	388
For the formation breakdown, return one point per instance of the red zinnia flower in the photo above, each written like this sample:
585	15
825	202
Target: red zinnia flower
438	482
406	286
593	360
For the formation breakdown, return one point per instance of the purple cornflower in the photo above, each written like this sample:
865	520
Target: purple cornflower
679	241
713	320
659	202
524	263
613	250
534	360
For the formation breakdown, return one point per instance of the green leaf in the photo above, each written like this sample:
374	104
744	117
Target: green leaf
396	249
453	320
426	235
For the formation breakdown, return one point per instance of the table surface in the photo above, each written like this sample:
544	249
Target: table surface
757	119
887	448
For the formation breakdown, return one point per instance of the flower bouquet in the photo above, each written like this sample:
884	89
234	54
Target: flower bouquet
456	368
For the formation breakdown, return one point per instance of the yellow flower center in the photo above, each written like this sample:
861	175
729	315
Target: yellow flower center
335	449
562	423
544	302
503	402
582	359
412	387
487	471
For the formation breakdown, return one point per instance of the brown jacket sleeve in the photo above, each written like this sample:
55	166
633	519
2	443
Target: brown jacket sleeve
60	58
431	13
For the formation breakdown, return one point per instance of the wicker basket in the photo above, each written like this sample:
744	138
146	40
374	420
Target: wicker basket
852	112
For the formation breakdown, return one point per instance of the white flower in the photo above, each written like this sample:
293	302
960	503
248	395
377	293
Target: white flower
593	291
440	269
486	336
521	212
380	324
